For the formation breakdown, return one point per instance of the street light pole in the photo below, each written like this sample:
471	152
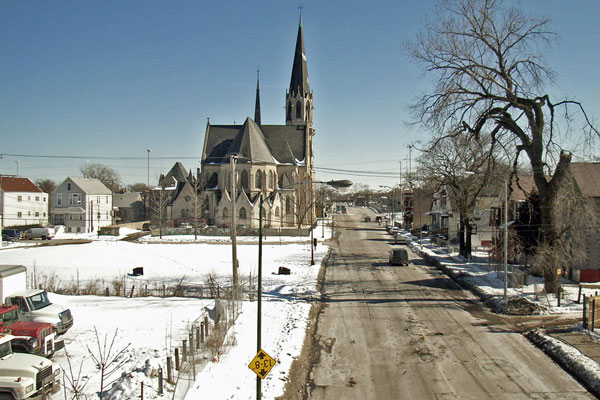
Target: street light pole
149	151
505	236
259	294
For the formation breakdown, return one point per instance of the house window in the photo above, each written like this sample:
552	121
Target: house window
106	199
98	215
68	185
28	198
37	214
19	198
242	213
44	199
78	229
37	198
19	214
75	198
29	213
98	199
59	198
44	214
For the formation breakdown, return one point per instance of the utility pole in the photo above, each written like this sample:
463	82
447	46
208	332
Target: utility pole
505	236
234	260
149	151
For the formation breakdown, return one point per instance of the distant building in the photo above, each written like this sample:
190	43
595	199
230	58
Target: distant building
22	203
129	207
82	205
275	161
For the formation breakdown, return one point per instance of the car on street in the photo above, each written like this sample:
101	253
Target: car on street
367	218
400	238
39	233
398	256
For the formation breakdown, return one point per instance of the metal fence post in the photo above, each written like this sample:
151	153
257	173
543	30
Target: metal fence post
197	337
177	359
184	352
201	332
593	313
169	369
584	319
160	380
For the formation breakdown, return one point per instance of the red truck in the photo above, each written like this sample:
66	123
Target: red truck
29	337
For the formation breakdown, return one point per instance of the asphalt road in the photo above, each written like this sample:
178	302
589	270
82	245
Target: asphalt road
410	333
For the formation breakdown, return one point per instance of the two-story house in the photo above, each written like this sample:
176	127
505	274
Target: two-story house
82	205
22	203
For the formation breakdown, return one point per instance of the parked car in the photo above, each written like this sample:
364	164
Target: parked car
185	225
10	235
39	233
147	227
367	218
398	256
399	239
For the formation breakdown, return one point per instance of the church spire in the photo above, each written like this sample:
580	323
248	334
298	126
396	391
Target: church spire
257	104
299	81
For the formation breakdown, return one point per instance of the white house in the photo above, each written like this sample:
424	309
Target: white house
22	203
82	205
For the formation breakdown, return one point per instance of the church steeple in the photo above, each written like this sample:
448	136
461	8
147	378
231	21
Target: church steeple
298	97
299	81
257	105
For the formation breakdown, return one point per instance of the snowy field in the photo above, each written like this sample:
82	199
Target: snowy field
151	326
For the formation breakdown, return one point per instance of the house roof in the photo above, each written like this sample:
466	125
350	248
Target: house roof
587	176
10	184
178	172
126	199
527	186
90	185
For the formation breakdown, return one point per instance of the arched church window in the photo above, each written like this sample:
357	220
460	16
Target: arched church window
271	180
307	111
242	213
225	213
298	109
277	211
244	179
288	205
289	110
258	182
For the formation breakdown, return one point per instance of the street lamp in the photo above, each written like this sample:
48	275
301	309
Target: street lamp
337	184
149	151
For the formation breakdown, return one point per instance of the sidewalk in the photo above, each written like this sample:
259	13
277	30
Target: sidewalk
576	349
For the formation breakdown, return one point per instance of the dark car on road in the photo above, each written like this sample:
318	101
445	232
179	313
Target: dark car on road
398	256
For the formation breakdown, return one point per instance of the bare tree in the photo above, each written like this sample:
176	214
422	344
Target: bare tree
466	167
108	176
107	359
159	200
138	187
46	185
194	207
487	65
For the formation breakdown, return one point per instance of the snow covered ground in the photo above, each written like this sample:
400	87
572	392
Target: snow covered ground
149	327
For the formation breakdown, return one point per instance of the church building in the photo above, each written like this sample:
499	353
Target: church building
272	162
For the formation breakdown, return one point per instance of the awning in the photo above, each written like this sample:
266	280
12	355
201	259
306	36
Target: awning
68	210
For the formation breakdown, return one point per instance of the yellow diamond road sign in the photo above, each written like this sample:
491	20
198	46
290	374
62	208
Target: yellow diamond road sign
262	364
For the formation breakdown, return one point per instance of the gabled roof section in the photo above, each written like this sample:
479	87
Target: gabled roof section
299	80
587	176
178	172
90	185
250	143
11	184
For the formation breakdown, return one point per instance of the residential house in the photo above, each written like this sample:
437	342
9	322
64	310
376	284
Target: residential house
129	207
22	203
587	178
82	205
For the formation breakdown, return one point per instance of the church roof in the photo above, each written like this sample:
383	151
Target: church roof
178	172
299	80
270	143
250	143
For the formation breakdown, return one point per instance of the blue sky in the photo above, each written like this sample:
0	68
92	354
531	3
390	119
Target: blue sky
113	78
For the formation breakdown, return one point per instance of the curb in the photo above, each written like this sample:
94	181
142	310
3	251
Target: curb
562	354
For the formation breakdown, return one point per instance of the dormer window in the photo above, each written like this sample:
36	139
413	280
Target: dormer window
68	185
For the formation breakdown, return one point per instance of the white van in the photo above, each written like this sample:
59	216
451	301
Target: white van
39	233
